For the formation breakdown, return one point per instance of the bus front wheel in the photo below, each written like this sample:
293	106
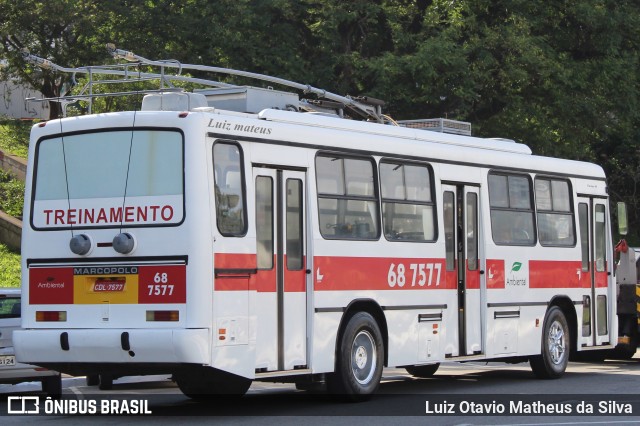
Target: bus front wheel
553	360
359	359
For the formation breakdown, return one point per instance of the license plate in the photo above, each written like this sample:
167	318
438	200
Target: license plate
108	285
6	360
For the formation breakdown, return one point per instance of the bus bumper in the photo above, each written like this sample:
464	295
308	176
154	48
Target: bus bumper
113	346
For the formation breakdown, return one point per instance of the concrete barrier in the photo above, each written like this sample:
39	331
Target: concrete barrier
10	231
15	165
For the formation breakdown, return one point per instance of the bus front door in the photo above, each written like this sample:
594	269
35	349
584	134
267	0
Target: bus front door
594	273
462	241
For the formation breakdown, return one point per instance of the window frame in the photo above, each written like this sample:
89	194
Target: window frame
532	210
327	196
571	211
76	227
243	185
405	201
271	225
299	259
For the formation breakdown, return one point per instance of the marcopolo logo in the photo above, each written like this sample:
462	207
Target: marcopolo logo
517	276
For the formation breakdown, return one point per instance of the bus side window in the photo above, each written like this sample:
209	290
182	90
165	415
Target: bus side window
408	209
347	197
512	221
229	189
556	223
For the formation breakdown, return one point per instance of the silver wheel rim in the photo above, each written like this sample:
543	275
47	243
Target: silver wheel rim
557	343
363	357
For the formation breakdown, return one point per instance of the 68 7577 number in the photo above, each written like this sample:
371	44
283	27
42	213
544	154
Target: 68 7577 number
421	274
161	288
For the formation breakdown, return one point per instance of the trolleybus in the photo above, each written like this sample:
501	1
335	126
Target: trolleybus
237	233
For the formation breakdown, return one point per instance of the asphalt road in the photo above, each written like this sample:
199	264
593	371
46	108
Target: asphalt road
459	394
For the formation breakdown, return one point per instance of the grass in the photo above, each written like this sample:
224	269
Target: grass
11	195
9	267
14	137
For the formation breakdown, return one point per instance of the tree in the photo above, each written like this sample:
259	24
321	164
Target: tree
59	31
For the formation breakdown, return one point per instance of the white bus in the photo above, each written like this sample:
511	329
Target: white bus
224	247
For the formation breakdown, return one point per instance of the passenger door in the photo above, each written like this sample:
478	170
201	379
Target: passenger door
594	273
462	241
281	276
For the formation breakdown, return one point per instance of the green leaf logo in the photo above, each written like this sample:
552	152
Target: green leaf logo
516	266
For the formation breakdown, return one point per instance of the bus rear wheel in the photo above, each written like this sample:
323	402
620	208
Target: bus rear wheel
359	359
553	360
205	383
423	371
105	381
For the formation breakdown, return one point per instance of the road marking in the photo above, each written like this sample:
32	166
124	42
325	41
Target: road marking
77	392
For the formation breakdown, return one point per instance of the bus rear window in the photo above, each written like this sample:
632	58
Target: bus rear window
109	178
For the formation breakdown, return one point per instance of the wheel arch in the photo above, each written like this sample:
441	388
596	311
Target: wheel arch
564	303
371	307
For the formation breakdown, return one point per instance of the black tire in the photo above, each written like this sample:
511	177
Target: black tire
106	382
93	379
206	383
423	371
359	359
555	346
52	386
312	387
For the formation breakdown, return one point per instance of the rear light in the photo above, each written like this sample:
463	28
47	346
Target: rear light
47	316
163	316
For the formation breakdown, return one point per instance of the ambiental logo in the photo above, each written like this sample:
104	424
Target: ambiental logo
517	275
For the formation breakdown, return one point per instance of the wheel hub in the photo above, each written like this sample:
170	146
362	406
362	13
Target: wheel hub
557	344
361	357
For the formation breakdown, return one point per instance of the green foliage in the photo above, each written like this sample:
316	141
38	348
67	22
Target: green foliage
61	31
11	195
562	77
14	137
9	267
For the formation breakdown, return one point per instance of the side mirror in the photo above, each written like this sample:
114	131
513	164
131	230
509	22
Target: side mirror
623	226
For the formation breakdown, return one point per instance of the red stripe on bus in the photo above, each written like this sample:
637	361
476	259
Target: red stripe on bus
371	273
263	281
557	274
235	261
473	278
241	281
333	273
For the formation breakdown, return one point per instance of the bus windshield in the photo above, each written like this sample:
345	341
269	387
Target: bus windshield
109	178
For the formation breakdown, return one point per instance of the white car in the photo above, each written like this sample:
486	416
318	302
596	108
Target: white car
11	371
